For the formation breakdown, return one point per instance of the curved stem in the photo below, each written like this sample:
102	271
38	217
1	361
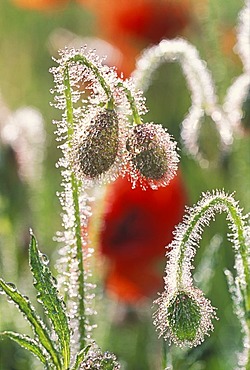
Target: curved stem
82	59
191	232
166	356
131	100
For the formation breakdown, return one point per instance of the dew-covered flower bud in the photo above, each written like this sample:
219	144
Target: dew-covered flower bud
96	149
184	317
152	154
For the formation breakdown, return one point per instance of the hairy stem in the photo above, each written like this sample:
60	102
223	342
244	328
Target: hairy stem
82	59
75	192
204	212
218	202
131	100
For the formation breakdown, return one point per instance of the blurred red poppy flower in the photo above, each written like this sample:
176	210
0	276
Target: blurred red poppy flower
132	26
145	20
136	225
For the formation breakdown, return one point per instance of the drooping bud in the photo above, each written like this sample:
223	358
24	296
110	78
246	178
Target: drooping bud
184	317
152	154
98	146
149	158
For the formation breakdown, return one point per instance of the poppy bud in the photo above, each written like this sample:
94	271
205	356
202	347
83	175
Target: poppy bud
152	153
184	317
97	148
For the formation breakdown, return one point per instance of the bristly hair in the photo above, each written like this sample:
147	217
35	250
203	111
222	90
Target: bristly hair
191	330
152	156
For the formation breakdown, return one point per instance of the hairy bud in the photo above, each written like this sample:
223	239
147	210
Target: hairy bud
148	157
152	153
97	148
184	316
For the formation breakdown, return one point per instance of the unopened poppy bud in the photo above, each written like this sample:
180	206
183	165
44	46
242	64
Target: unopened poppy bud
98	147
149	156
153	153
184	317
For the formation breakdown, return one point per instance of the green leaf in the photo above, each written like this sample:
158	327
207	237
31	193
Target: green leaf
28	343
24	305
53	305
80	357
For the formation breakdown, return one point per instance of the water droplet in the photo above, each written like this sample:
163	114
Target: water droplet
44	258
54	280
11	286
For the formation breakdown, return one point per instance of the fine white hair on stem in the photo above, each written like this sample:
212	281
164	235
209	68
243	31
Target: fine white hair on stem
75	251
92	134
86	71
199	82
180	298
238	306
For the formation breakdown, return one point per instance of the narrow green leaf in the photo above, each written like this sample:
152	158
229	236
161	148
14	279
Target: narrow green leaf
80	357
53	305
28	343
24	305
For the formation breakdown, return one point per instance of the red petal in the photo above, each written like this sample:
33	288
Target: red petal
133	283
138	224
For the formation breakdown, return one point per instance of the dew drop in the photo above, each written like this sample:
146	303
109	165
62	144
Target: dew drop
11	286
54	280
44	259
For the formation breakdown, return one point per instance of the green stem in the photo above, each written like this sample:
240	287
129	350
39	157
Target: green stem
243	250
75	192
131	100
217	203
76	184
82	59
166	356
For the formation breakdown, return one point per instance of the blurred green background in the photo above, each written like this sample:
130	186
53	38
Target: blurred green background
26	49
